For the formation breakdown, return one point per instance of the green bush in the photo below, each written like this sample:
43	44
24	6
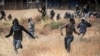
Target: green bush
55	25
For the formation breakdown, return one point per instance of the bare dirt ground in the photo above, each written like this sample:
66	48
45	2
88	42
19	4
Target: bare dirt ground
49	42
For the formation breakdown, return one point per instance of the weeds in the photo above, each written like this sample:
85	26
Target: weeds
55	25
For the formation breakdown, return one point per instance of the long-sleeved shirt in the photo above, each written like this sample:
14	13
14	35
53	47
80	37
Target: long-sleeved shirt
17	30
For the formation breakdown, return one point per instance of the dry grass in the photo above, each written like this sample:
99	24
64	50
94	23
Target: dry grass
50	42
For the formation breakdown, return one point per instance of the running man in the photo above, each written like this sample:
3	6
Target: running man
58	16
3	15
78	12
83	25
31	26
42	10
17	38
52	14
70	28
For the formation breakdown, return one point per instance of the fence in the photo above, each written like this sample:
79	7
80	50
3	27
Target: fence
20	5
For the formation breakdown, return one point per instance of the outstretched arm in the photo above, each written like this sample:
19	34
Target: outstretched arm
62	28
76	31
27	32
39	10
88	24
11	31
78	26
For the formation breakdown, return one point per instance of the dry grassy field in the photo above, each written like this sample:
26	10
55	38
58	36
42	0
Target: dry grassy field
49	42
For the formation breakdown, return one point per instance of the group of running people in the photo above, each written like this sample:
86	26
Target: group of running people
70	28
17	29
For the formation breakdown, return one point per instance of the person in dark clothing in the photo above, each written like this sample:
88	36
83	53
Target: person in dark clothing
42	10
3	15
85	11
88	7
78	11
17	38
58	16
9	17
52	14
70	28
72	16
66	15
83	27
77	7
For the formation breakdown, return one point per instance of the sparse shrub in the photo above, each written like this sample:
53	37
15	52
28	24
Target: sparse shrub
45	18
55	25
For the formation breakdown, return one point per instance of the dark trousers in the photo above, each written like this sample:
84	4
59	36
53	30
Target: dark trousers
68	40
